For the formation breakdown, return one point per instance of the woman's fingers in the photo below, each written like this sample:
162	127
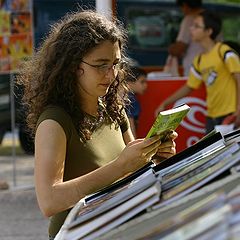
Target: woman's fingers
166	152
152	149
145	149
167	149
139	140
154	146
168	144
173	135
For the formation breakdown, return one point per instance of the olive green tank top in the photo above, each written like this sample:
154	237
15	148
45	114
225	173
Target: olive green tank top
105	145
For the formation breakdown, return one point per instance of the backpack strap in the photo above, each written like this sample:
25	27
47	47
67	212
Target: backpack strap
199	60
219	52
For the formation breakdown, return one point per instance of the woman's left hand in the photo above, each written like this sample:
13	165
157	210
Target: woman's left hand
167	149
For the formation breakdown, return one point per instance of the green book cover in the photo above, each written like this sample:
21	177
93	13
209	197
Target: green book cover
167	121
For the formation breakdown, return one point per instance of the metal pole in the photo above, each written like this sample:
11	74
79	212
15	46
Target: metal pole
104	7
12	104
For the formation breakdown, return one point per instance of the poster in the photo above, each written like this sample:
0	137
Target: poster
192	128
16	33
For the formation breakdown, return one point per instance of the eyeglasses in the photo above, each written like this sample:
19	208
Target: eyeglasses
105	68
195	25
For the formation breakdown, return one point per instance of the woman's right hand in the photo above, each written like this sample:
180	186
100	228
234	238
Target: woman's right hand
137	153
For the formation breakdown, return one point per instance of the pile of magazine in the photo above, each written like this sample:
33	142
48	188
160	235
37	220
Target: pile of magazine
156	187
198	165
188	217
98	213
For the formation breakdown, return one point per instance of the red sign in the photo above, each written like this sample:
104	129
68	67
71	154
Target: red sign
192	127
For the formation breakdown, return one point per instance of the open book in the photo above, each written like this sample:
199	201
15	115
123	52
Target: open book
167	121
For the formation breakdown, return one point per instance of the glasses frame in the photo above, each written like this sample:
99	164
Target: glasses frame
105	68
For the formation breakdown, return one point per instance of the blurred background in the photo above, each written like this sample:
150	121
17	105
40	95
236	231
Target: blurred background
152	26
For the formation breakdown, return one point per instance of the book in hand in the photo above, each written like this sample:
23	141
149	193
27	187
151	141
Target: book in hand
167	121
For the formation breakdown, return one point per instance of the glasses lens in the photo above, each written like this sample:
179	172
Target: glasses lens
104	68
115	67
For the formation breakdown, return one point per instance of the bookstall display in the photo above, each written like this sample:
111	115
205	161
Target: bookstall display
196	187
150	221
104	212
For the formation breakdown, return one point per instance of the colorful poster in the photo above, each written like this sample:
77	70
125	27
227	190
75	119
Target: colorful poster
16	34
20	47
21	23
4	22
4	55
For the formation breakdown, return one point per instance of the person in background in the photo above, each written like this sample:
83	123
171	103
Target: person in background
74	93
137	83
218	67
184	48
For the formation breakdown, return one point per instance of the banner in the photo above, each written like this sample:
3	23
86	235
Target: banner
192	128
16	33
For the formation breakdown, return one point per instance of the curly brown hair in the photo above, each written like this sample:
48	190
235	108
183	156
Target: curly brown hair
49	77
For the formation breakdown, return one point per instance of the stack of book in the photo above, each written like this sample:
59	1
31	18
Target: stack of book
154	187
104	210
234	221
150	222
217	216
206	219
197	168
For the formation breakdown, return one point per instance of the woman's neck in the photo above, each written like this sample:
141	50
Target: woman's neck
90	106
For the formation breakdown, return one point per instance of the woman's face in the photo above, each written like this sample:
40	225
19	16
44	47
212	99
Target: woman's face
98	70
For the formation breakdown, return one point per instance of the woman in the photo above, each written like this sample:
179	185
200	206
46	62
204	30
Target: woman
73	90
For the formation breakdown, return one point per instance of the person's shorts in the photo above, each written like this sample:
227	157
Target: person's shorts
212	122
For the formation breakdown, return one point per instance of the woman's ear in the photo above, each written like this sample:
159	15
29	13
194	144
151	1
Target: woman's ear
79	71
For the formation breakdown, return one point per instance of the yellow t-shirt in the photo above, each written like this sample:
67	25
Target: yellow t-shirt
215	69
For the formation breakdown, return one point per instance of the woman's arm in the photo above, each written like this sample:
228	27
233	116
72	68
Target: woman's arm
53	194
128	136
132	126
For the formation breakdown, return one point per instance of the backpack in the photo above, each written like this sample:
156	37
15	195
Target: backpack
232	44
